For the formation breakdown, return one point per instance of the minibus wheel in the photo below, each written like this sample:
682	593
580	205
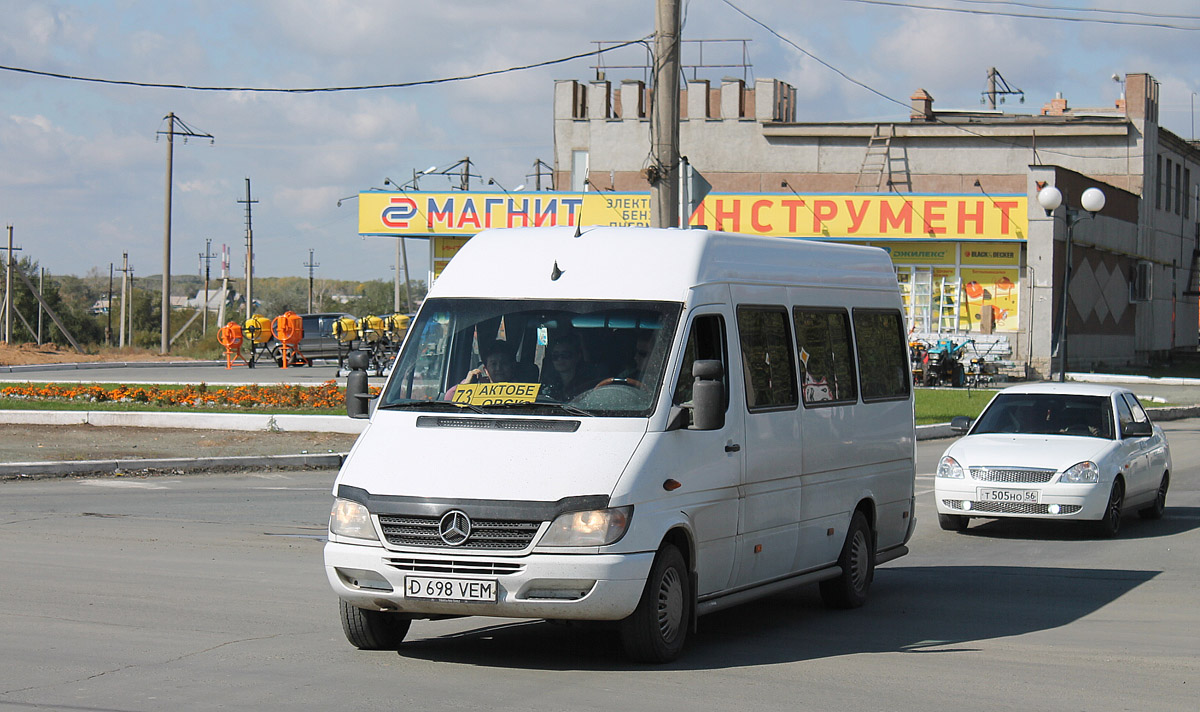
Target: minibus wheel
373	630
657	629
857	560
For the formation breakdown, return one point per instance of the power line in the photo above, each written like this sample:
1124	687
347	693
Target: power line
966	11
1096	10
314	90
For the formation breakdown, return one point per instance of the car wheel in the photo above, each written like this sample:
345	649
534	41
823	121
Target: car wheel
657	629
373	630
277	356
849	590
953	522
1155	511
1110	522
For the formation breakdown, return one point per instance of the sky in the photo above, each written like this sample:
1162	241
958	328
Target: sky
83	164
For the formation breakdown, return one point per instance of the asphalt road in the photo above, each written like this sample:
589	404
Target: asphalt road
207	592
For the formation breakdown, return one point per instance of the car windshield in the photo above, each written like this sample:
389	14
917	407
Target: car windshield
528	356
1047	414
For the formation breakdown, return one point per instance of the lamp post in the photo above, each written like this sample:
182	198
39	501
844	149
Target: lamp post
1050	198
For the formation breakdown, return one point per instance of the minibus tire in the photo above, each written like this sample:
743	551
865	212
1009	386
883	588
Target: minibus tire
373	630
857	560
657	629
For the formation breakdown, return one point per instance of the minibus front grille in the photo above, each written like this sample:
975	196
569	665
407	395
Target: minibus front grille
467	567
415	530
527	424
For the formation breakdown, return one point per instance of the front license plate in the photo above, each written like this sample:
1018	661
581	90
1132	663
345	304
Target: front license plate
450	589
988	494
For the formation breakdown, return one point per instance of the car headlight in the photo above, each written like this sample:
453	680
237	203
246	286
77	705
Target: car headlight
1086	471
949	467
596	527
351	519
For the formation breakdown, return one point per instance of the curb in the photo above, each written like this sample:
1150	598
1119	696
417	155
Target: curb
34	470
190	421
103	364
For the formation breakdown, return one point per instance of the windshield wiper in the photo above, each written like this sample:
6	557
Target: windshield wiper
566	407
431	405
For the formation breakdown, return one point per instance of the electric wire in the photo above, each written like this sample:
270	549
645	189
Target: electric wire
1000	13
316	90
1097	10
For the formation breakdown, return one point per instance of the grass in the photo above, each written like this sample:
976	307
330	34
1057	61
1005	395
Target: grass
939	405
23	404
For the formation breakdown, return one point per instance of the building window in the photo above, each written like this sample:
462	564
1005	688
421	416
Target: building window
1178	186
1141	287
1158	186
1187	199
1167	192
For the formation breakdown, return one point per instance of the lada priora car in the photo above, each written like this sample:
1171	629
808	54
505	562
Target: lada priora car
1063	451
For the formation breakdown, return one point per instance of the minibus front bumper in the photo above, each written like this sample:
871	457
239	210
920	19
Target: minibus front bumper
556	586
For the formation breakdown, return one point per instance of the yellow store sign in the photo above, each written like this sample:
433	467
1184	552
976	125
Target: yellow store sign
862	216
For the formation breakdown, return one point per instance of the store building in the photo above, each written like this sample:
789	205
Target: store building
953	196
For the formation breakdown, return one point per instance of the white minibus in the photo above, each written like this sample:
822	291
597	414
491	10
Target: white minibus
631	425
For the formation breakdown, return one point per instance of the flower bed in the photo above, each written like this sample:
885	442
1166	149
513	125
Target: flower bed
327	396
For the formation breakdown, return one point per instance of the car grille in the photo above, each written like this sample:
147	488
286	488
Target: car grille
1009	507
1006	474
473	567
412	530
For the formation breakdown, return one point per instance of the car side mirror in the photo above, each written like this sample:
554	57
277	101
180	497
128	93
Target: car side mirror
708	395
1136	429
960	424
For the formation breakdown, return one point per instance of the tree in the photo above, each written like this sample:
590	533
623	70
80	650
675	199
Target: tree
84	328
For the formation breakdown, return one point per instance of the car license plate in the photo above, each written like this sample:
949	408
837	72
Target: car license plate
450	589
988	494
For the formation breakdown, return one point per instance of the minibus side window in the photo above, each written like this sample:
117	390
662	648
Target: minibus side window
826	361
767	362
706	340
882	358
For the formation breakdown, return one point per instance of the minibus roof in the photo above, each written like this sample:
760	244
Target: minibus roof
649	263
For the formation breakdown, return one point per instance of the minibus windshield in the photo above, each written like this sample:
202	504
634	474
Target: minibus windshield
530	356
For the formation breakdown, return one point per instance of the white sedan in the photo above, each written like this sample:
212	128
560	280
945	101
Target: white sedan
1064	451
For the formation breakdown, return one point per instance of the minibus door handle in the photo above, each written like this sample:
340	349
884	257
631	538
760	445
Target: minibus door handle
732	447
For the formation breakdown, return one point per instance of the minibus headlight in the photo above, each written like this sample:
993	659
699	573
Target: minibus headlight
949	467
351	519
596	527
1081	472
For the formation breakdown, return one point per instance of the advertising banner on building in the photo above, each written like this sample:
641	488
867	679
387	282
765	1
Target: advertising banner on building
861	216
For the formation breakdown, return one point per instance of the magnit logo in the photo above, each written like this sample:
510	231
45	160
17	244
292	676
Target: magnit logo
398	212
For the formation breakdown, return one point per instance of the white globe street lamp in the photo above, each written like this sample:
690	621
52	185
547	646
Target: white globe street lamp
1050	198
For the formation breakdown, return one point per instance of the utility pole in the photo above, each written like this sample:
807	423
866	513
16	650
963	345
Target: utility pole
664	117
124	297
465	182
311	266
41	291
108	329
206	258
171	132
249	253
9	265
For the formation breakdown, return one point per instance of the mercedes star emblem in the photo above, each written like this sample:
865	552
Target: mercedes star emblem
455	527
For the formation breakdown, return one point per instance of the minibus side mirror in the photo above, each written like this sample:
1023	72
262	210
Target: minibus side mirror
960	424
708	395
357	393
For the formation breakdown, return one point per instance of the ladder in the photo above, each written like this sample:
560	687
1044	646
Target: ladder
948	311
877	162
920	303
